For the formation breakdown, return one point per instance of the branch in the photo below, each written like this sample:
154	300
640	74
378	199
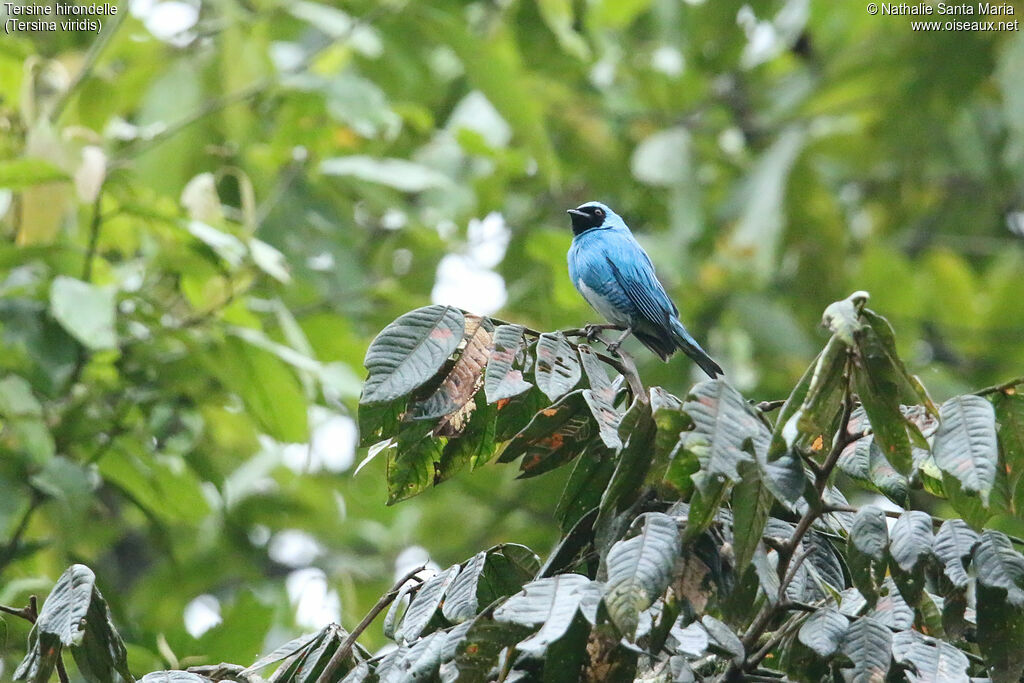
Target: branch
1004	388
30	613
249	92
91	57
815	509
94	236
769	406
11	549
346	646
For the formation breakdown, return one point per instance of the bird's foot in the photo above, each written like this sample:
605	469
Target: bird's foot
592	331
614	346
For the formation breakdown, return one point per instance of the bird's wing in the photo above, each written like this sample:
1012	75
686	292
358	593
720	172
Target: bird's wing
635	274
588	264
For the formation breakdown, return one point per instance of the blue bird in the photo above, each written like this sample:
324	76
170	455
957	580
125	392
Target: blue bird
614	274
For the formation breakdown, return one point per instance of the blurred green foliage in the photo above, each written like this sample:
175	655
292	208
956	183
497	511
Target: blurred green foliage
204	230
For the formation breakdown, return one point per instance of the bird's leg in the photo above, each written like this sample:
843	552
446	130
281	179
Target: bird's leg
592	331
614	346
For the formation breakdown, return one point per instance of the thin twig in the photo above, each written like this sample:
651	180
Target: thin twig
94	236
769	406
773	642
62	673
11	549
249	92
29	613
346	646
1005	387
91	57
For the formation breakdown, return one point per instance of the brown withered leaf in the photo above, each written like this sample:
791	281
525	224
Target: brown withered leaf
453	399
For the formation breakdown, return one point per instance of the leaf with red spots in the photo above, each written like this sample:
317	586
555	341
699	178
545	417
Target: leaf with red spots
502	381
600	398
558	369
553	437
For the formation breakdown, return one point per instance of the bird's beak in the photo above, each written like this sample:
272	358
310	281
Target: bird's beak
576	212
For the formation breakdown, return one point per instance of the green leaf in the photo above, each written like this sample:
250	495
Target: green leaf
723	638
76	616
493	64
508	567
911	539
65	609
501	380
585	486
1010	420
410	351
891	608
552	602
930	659
292	647
954	542
401	174
417	662
868	644
267	386
474	447
965	443
751	502
478	652
411	466
823	631
824	398
557	370
559	16
17	399
555	436
640	569
101	656
16	174
1000	633
637	430
85	310
425	603
600	398
460	602
911	385
864	461
999	565
879	385
724	419
868	540
174	677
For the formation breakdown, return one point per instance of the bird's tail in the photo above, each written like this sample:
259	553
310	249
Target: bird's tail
691	348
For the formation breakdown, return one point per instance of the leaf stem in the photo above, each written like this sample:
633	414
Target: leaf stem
346	646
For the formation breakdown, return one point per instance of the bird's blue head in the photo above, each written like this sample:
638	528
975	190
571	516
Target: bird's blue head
593	215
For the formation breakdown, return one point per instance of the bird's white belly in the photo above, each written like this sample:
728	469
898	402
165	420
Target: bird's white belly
602	305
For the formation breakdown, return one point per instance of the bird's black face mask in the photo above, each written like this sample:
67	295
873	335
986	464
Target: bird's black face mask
586	217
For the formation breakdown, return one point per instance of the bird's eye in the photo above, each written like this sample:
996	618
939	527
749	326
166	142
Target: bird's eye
599	213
